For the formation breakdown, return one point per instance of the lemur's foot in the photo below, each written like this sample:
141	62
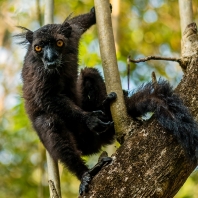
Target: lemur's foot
87	176
85	180
103	161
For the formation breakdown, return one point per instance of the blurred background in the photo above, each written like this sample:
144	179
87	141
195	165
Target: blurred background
141	28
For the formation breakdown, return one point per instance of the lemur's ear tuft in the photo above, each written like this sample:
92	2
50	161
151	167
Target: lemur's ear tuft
29	36
26	36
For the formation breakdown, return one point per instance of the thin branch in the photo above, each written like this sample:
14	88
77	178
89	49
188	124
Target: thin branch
182	62
38	12
115	20
49	12
153	76
128	71
53	189
186	13
155	58
53	174
154	80
53	171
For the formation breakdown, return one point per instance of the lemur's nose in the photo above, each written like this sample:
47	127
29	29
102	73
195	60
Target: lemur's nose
50	55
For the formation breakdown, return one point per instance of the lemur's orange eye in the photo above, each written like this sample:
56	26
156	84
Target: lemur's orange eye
37	48
59	43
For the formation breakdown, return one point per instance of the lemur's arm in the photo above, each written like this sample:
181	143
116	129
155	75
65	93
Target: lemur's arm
84	21
72	113
59	142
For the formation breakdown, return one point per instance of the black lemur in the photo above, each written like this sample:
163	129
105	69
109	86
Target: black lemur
71	114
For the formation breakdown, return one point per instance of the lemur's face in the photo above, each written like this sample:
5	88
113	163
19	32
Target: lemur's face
48	44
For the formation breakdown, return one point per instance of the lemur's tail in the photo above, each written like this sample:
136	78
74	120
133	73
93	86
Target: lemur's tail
168	109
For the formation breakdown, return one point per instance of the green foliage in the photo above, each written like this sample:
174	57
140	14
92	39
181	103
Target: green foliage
189	190
146	27
16	140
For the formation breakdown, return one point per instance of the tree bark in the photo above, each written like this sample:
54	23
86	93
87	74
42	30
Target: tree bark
151	163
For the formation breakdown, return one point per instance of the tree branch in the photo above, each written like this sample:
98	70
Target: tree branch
53	171
110	67
49	12
155	58
182	61
186	13
38	12
53	175
151	162
53	189
153	76
128	71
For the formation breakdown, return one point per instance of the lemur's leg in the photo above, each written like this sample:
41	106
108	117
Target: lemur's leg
92	94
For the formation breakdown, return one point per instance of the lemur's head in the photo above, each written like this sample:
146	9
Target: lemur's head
49	43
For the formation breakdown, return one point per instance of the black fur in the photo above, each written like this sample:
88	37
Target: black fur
51	96
158	98
168	109
67	110
64	124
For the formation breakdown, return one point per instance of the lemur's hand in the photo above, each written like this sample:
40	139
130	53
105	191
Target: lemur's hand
94	122
110	98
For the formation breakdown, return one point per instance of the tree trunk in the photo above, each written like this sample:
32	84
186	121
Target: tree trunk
110	67
151	163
